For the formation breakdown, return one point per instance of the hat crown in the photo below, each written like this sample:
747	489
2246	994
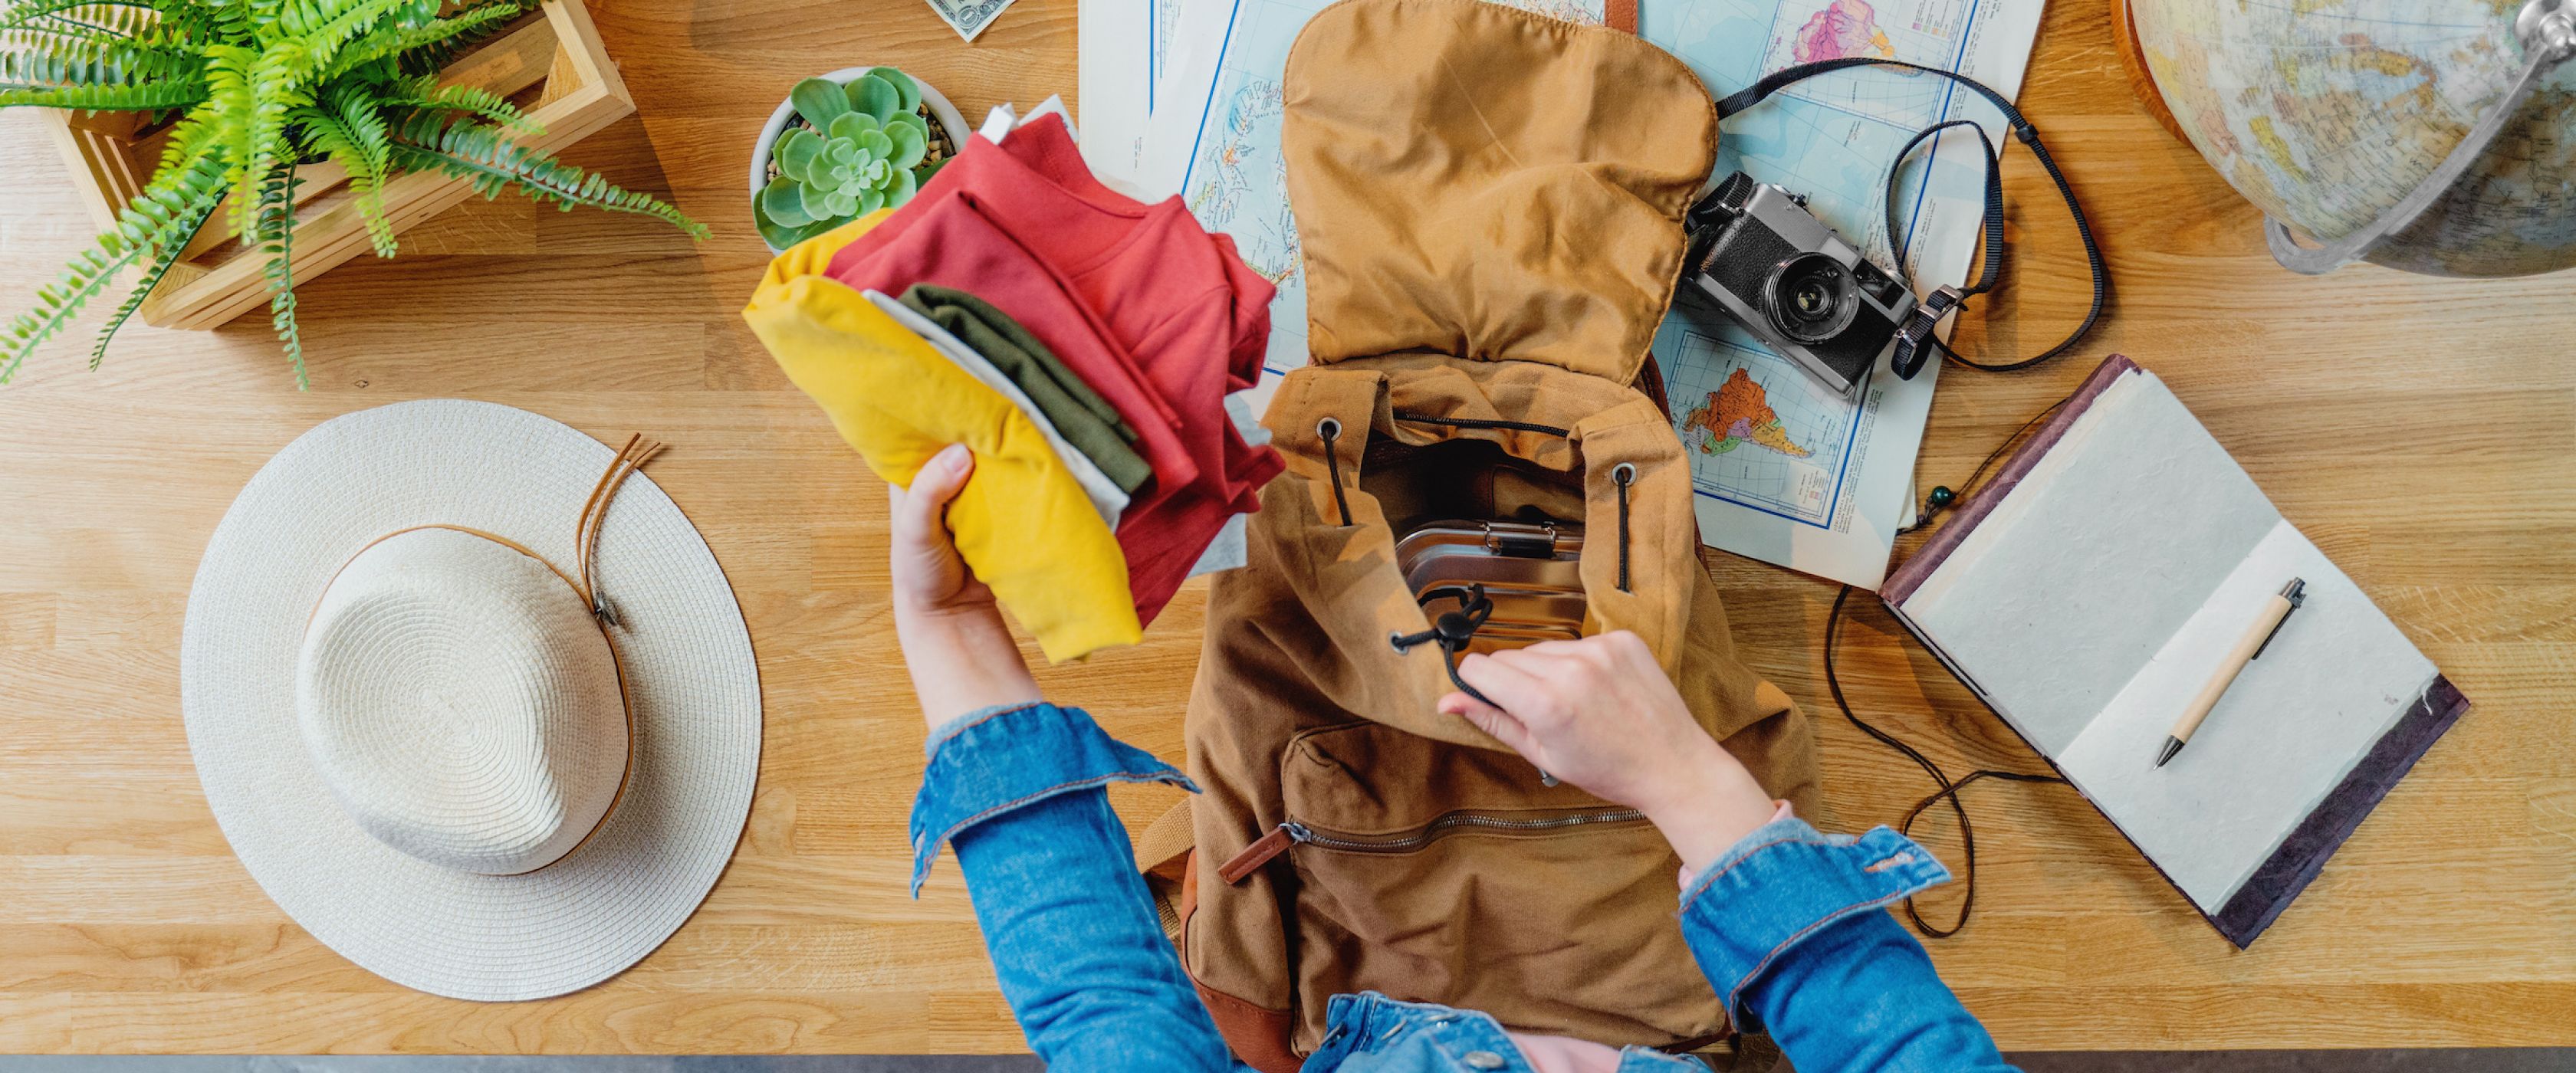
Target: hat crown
461	704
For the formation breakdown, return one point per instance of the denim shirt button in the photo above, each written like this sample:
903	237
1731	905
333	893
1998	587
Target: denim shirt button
1483	1059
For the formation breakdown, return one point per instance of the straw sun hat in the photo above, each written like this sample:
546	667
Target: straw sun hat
470	698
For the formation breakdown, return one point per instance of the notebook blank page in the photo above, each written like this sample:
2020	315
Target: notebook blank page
2332	680
2101	553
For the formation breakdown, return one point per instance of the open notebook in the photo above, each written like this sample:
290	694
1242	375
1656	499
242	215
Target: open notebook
2088	592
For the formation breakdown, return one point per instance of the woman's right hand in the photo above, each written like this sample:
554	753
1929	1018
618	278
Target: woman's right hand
1599	713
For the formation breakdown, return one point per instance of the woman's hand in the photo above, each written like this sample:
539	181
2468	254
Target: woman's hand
1599	713
959	653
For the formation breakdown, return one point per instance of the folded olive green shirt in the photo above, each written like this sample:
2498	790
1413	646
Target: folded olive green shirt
1080	415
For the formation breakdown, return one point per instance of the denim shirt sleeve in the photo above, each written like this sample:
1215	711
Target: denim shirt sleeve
1076	947
992	760
1788	927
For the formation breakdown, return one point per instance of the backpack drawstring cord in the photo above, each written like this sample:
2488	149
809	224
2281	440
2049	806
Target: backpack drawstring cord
1624	474
1331	429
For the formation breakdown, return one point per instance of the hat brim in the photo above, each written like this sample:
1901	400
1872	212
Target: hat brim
686	653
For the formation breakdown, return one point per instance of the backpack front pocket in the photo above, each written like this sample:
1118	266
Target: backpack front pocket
1443	873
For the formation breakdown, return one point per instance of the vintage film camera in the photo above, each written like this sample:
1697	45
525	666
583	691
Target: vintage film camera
1790	280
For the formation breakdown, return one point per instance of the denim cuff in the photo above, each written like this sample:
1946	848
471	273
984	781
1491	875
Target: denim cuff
1785	882
991	761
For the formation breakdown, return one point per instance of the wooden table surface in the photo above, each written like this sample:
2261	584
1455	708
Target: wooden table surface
2419	429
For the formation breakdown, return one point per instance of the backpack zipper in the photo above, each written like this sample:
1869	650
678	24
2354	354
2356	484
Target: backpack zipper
1290	832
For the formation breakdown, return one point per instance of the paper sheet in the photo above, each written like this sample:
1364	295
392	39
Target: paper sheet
1119	48
2037	565
2292	725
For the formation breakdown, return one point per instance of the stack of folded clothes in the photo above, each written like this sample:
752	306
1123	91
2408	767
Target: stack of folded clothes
1082	343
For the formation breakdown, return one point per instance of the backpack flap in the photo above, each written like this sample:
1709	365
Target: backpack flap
1477	181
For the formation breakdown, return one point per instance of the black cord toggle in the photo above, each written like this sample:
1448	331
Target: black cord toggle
1451	630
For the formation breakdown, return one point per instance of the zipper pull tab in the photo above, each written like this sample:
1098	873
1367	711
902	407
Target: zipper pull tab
1263	850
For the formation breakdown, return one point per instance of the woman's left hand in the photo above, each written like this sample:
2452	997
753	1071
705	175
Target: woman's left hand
961	656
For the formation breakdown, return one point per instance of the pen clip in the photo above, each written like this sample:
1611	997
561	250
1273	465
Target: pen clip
2297	593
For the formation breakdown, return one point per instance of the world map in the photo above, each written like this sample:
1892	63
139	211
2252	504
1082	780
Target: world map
1832	509
1831	138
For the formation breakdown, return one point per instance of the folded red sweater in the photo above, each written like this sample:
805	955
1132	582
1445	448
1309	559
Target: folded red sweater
1197	291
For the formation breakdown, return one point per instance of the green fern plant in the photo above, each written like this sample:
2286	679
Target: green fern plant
253	89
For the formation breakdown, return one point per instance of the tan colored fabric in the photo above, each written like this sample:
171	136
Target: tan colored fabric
1474	180
1490	208
1302	711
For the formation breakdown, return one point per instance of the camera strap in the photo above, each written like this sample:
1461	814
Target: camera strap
1916	334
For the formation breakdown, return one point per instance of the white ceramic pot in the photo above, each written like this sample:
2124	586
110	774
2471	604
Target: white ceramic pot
940	109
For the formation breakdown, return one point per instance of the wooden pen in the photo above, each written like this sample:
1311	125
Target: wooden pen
2257	637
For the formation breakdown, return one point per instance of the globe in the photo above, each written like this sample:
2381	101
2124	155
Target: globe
2324	113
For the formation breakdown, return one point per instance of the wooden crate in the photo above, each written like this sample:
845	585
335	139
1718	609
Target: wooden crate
558	56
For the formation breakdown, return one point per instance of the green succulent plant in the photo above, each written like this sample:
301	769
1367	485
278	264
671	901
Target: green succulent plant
253	89
866	147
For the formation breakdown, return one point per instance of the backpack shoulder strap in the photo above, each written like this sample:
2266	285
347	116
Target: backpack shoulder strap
1163	854
1164	843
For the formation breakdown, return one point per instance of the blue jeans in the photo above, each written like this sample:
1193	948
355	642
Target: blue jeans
1787	926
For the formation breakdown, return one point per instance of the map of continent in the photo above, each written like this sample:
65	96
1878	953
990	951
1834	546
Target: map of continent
1844	28
1241	167
1737	413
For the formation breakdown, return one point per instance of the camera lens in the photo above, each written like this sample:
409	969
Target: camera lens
1810	297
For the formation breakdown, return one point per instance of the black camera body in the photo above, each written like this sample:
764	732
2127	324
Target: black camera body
1784	275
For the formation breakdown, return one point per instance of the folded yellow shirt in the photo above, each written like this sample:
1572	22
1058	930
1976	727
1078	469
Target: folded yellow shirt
1022	522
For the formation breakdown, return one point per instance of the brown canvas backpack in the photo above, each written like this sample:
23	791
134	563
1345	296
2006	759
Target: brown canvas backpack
1490	206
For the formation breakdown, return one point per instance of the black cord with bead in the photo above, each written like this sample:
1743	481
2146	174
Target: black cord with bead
1941	498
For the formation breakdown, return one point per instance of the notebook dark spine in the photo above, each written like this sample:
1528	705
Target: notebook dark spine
2302	855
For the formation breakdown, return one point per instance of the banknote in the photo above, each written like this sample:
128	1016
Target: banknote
969	17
